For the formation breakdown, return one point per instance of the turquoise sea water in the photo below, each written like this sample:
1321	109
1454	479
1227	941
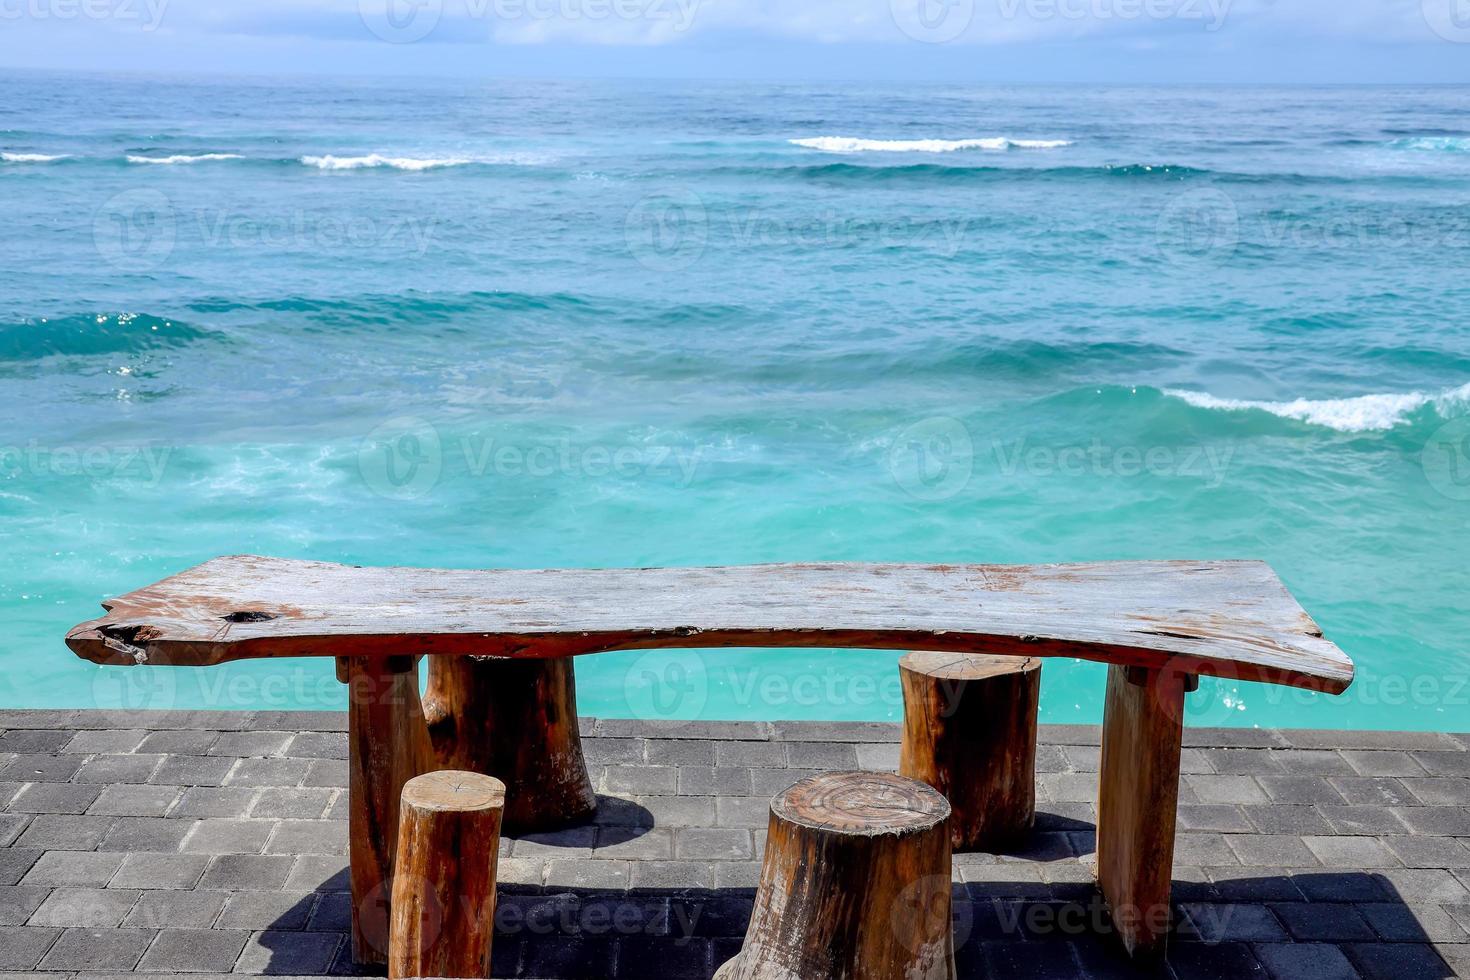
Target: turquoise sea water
531	324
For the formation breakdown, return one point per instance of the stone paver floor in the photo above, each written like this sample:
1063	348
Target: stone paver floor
214	843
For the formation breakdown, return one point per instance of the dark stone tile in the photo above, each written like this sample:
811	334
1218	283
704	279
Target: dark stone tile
251	744
289	953
52	832
1214	961
146	834
720	781
1323	922
194	951
81	868
88	908
17	902
1397	961
215	801
55	798
297	803
1281	818
318	745
1042	961
821	755
1223	923
21	947
228	836
34	741
1305	961
678	752
323	873
112	769
112	950
15	862
267	910
135	801
242	872
616	751
192	770
309	837
150	871
1300	789
331	773
572	957
835	731
40	768
1240	884
678	959
268	772
179	742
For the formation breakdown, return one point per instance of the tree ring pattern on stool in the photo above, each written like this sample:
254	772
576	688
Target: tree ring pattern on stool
861	803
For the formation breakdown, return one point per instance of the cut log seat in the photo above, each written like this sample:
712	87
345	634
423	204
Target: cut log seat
1159	624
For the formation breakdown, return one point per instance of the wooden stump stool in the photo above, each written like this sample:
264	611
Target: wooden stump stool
444	878
855	885
515	720
969	730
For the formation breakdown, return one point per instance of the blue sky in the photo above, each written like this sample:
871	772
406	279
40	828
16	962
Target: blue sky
1091	41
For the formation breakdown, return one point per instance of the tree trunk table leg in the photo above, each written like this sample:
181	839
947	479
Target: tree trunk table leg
387	745
969	730
855	884
444	878
1138	798
515	720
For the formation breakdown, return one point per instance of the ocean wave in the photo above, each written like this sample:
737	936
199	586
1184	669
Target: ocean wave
178	158
946	172
1362	413
1443	144
852	144
33	157
330	162
87	334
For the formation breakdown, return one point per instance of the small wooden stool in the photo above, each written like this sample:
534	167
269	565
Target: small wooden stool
515	720
443	912
855	884
969	730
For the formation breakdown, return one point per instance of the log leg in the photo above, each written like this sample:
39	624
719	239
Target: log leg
855	884
515	720
387	745
444	876
969	730
1138	797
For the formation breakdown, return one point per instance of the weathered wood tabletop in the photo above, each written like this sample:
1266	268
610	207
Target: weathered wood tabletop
1224	618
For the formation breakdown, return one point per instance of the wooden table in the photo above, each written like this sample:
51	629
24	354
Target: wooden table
1159	625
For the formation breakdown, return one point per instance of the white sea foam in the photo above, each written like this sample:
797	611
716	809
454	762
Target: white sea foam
33	157
330	162
852	144
1450	144
184	158
1364	413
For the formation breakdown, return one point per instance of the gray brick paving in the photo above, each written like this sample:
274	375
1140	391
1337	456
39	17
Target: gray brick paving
214	845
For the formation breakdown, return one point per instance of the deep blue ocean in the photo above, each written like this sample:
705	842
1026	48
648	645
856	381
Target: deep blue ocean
534	323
